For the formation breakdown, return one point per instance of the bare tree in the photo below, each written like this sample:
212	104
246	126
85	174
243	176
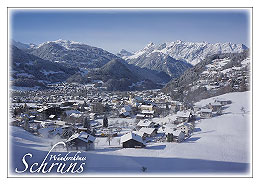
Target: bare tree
118	140
110	136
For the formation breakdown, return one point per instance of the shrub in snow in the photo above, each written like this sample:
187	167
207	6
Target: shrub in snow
143	169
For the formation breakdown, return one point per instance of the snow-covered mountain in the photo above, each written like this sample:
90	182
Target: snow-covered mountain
215	75
124	54
149	58
72	53
28	70
22	46
190	52
119	75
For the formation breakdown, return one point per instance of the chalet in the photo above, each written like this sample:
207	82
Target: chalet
126	108
197	108
140	116
205	113
168	127
52	116
68	113
132	140
80	141
216	107
223	101
183	116
145	123
124	114
175	136
136	99
76	115
81	129
148	113
146	107
59	123
148	132
126	111
140	134
185	127
68	103
163	105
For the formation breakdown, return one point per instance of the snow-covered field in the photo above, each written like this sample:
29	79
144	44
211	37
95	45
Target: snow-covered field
218	146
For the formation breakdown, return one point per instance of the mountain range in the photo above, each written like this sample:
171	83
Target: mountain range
29	70
191	52
215	75
72	53
151	65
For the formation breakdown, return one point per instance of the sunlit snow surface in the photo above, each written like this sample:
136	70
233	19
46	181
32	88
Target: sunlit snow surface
219	146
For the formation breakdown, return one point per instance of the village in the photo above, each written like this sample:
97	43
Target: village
82	115
221	74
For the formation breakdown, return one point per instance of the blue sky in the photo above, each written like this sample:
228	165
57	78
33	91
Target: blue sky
114	30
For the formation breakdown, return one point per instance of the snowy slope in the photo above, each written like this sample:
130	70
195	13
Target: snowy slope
218	146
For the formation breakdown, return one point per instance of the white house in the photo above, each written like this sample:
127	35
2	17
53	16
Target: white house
148	132
205	113
176	135
126	111
145	123
215	106
185	127
183	116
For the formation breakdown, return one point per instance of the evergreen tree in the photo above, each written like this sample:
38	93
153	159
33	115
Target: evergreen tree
86	123
105	122
169	137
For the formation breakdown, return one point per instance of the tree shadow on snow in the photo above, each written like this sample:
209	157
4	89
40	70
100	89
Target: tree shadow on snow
191	140
203	132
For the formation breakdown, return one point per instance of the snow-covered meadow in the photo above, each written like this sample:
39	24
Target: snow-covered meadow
218	146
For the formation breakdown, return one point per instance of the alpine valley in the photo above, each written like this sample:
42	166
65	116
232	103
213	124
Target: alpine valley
173	108
35	66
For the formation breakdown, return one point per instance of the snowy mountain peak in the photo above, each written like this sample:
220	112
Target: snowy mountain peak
64	43
192	52
149	46
179	41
